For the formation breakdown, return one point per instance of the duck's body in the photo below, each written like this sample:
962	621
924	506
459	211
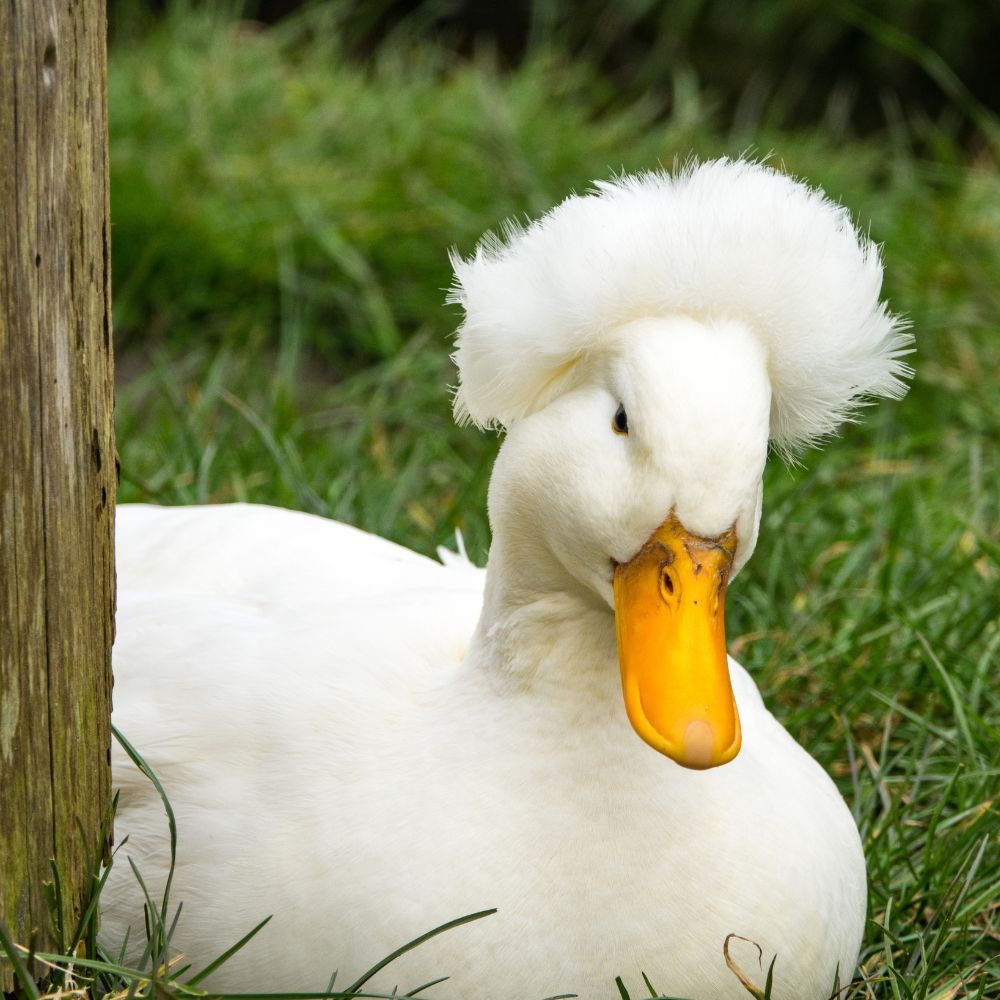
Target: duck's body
366	744
365	784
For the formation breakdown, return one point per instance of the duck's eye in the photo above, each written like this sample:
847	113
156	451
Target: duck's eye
620	421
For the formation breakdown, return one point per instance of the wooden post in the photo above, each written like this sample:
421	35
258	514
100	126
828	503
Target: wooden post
57	457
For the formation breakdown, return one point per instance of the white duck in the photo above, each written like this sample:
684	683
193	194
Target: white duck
346	748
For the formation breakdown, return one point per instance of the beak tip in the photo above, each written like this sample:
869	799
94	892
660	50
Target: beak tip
698	747
700	750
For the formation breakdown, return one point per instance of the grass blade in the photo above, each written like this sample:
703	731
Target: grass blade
228	954
410	945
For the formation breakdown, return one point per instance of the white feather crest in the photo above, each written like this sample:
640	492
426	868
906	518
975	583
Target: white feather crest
724	239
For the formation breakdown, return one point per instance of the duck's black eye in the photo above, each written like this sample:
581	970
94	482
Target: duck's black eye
620	421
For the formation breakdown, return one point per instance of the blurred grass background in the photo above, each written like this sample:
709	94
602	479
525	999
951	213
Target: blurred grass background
286	181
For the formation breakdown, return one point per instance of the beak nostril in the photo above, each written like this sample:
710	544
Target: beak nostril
668	583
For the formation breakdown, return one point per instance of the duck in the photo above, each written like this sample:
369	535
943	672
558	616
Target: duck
363	742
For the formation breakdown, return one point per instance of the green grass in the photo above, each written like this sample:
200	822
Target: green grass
281	221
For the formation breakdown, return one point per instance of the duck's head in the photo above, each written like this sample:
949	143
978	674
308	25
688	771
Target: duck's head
642	346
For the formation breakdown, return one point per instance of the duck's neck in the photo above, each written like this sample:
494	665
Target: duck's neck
539	629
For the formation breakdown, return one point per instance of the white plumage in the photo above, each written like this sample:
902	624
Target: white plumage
723	240
367	743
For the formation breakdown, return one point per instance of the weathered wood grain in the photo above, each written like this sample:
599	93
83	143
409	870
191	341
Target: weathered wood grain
57	455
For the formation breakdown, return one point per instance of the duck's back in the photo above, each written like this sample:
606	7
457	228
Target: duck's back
268	554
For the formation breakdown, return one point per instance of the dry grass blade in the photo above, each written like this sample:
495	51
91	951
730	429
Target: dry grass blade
737	971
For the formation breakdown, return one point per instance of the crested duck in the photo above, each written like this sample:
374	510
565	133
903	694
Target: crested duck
365	742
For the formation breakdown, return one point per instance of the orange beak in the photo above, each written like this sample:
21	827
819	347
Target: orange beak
669	611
